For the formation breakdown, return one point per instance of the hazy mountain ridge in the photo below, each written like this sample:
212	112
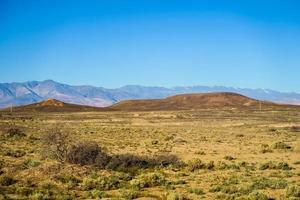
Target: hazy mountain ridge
36	91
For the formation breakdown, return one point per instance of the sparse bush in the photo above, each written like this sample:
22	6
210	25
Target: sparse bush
229	158
15	132
14	153
199	164
124	162
255	195
175	196
68	179
101	183
29	164
7	180
295	128
57	143
197	191
293	191
87	153
97	194
223	166
273	165
265	149
281	145
264	183
200	153
154	142
272	129
215	188
130	194
148	180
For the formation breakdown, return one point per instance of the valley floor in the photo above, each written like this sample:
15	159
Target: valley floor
227	154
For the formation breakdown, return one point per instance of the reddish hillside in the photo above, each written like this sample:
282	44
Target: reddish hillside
53	105
192	101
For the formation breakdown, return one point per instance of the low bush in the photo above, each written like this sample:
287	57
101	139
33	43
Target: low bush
87	153
175	196
101	183
130	194
15	132
293	191
273	165
264	183
281	145
197	164
197	191
295	128
229	158
57	144
14	153
265	149
146	180
255	195
7	180
27	164
125	162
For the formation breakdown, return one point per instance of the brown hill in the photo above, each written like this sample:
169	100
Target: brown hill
193	101
178	102
53	105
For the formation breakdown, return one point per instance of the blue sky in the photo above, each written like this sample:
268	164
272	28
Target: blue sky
110	43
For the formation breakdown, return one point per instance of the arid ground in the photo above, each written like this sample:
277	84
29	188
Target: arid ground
198	154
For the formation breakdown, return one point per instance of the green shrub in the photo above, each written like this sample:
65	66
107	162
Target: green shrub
130	194
97	194
151	179
175	196
255	195
197	164
273	165
215	188
68	179
197	191
293	191
27	164
101	183
264	183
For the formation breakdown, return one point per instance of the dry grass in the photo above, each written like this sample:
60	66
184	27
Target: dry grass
229	154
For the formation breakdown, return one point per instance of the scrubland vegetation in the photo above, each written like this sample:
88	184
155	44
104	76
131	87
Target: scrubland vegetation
167	155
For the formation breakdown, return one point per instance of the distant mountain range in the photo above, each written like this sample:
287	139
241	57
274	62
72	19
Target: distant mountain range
35	91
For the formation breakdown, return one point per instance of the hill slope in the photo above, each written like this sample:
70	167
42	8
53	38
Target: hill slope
53	105
193	101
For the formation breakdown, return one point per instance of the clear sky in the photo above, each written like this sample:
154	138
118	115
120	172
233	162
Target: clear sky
110	43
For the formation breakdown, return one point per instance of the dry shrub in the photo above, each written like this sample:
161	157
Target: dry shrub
15	132
124	162
87	153
57	143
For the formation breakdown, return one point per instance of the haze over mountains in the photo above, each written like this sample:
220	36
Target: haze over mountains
36	91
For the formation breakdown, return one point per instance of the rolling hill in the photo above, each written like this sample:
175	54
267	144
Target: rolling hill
221	100
53	105
193	101
35	91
